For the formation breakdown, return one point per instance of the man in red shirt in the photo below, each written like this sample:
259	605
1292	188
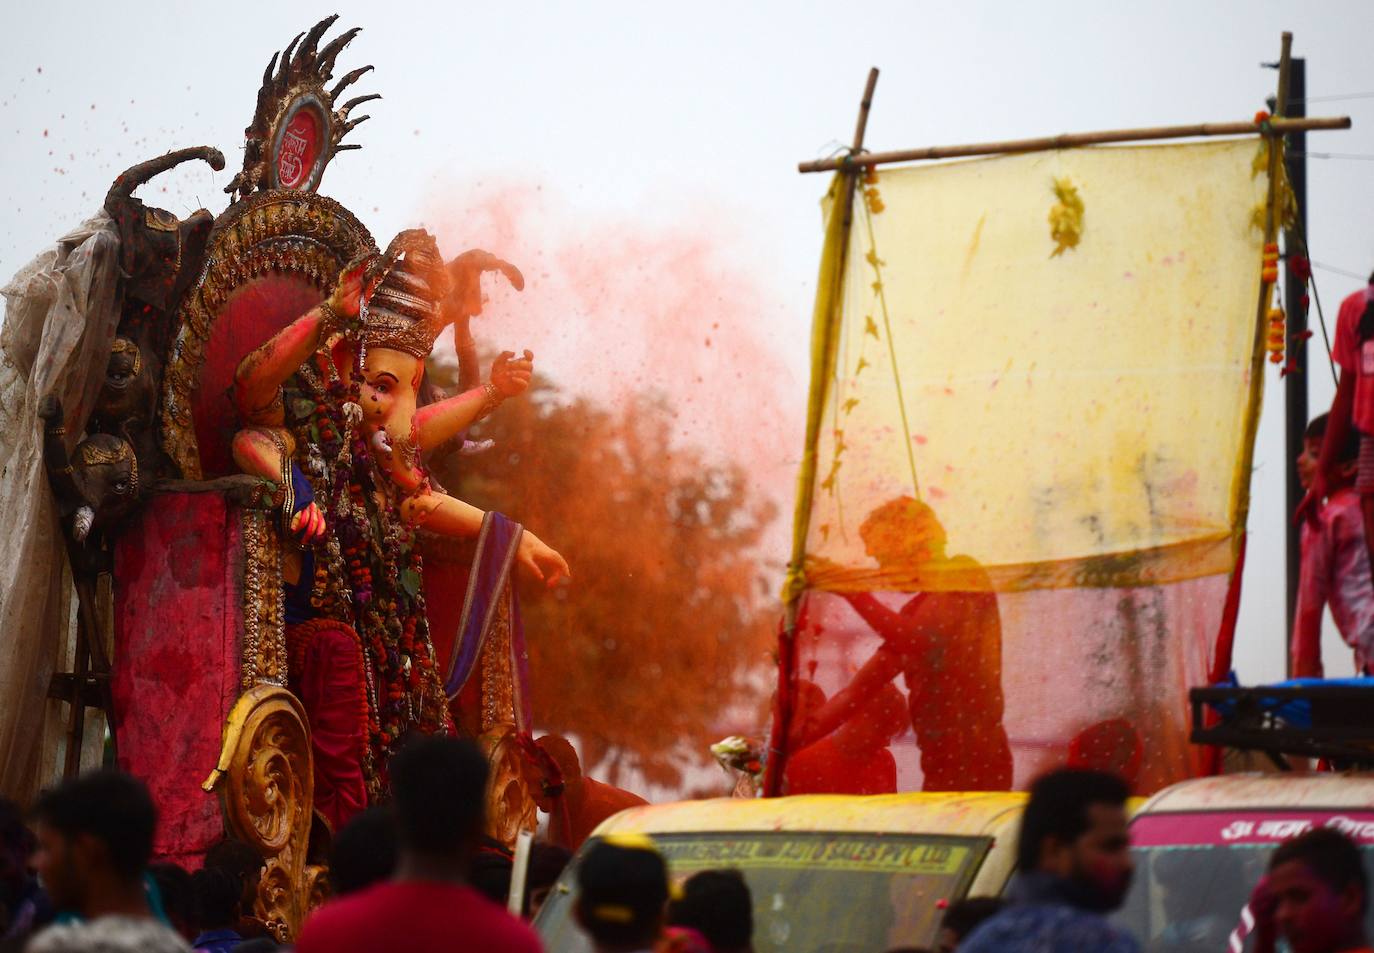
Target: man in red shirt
439	787
1352	408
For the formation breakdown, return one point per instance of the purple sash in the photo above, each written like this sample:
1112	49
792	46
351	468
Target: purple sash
490	603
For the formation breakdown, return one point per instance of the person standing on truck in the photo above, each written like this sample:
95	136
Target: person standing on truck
947	645
1352	411
1314	896
1074	867
1335	562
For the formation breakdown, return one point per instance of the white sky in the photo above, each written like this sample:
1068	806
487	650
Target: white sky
623	133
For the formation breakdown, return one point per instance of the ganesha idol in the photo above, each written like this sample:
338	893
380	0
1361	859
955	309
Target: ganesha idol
332	415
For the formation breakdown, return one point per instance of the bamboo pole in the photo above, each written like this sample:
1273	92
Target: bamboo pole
787	636
860	128
1276	127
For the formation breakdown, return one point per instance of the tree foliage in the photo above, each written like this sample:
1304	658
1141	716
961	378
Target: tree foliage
667	625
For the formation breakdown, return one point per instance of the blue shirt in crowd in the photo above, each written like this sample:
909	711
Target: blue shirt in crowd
1042	919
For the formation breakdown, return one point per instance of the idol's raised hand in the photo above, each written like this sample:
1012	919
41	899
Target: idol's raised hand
510	374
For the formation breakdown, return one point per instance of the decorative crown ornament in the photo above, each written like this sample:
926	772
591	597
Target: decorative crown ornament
404	311
296	130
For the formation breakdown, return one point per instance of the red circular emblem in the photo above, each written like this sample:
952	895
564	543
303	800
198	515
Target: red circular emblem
299	149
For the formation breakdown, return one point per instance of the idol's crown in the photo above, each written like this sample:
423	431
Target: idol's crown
404	312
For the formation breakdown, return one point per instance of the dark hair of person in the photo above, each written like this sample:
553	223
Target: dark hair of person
621	893
15	836
1316	430
489	874
110	806
1058	807
1331	856
963	916
215	895
364	852
1316	427
174	889
235	856
439	790
717	904
547	862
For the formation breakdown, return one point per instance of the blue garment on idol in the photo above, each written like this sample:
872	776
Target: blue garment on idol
1042	918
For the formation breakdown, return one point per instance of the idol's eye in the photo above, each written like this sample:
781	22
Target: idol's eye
121	486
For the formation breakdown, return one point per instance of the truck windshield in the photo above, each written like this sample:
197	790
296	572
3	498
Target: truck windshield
812	892
1194	871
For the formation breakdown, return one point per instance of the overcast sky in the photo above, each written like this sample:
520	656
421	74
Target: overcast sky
650	149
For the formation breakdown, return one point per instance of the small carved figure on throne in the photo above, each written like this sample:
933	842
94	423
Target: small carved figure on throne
330	403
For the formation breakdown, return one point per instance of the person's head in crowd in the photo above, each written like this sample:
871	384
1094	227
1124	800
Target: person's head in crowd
216	904
1346	462
438	787
547	862
490	871
16	847
174	889
95	835
1074	830
1320	892
961	918
364	852
246	864
717	904
622	887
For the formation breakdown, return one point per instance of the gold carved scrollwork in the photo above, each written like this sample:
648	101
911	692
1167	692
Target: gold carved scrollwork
266	784
510	803
264	603
279	231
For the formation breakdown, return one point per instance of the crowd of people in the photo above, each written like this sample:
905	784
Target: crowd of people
418	874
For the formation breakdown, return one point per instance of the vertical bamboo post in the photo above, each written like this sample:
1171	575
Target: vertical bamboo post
1271	223
787	636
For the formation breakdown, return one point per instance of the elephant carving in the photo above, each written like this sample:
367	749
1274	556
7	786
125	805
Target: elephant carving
160	254
127	404
97	485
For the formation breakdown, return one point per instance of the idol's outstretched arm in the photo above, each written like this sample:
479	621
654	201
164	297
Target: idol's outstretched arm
445	419
448	516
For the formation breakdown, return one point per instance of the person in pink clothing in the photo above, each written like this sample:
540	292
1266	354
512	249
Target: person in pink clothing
1352	412
1335	561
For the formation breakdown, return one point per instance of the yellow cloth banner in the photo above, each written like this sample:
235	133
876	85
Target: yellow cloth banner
1053	353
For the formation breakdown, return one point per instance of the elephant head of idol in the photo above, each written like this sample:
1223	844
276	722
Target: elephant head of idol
400	321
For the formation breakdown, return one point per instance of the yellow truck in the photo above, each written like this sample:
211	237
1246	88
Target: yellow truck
830	873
